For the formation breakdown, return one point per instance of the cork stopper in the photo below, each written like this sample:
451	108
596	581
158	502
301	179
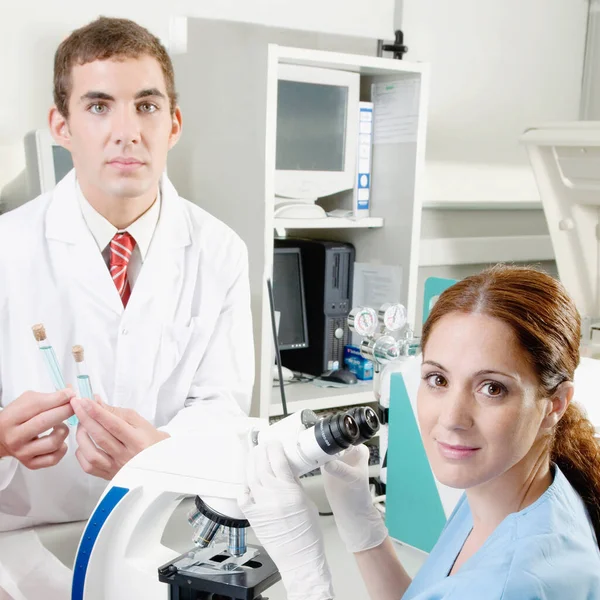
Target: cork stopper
39	332
78	353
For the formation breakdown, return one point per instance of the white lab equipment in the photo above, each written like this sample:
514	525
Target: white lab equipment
46	163
566	161
317	137
120	554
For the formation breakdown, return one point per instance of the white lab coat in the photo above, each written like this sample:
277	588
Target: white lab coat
180	354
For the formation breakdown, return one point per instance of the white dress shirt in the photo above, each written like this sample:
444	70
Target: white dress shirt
141	230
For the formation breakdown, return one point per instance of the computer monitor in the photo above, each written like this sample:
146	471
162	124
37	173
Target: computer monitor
46	163
317	136
288	293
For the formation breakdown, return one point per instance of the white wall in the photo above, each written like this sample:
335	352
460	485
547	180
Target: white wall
498	66
31	30
590	103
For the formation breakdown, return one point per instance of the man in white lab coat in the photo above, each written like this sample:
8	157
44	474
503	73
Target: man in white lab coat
155	289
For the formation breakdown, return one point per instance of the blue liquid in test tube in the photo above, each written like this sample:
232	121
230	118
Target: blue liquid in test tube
85	387
53	368
57	378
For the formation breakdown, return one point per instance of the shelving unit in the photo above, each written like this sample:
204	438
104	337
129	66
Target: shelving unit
473	250
329	223
307	395
226	159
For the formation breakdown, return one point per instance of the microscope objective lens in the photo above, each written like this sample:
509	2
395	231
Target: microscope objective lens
204	532
237	541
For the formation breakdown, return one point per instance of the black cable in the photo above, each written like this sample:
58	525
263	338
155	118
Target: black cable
277	351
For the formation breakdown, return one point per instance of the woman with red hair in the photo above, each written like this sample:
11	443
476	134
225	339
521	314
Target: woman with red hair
497	419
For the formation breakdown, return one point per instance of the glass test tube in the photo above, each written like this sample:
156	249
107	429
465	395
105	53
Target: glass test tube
84	383
51	361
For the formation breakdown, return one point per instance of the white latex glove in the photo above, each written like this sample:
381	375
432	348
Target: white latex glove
286	523
346	481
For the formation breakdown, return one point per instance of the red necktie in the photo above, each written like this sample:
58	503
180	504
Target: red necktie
121	247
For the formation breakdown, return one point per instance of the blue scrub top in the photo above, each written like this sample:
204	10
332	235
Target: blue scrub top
547	551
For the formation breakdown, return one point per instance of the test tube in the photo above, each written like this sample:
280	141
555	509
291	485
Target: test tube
39	333
84	385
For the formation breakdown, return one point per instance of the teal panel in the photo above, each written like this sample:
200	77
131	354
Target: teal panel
434	286
414	511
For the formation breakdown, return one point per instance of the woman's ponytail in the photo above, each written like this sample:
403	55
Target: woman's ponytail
576	451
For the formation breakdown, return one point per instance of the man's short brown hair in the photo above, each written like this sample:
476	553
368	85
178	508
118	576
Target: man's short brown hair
103	39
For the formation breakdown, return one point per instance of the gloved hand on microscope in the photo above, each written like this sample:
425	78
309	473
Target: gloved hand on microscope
286	521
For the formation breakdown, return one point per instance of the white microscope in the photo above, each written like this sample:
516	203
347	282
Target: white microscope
120	555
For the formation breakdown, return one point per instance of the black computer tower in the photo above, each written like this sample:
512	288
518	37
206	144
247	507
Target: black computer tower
328	271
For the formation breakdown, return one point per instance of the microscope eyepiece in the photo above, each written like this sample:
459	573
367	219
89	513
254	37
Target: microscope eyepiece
367	421
351	426
310	441
336	433
371	418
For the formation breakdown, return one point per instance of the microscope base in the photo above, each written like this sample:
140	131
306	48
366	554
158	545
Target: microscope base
196	575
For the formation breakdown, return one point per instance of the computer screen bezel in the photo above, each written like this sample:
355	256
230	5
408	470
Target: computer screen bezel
298	252
309	185
42	179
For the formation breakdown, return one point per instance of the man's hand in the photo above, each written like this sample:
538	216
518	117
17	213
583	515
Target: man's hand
108	437
26	418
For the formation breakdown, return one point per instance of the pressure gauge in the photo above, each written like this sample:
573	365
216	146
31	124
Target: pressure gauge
381	350
363	320
393	316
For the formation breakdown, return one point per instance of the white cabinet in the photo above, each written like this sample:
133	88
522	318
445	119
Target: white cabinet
225	162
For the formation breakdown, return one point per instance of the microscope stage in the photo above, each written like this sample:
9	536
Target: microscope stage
200	573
